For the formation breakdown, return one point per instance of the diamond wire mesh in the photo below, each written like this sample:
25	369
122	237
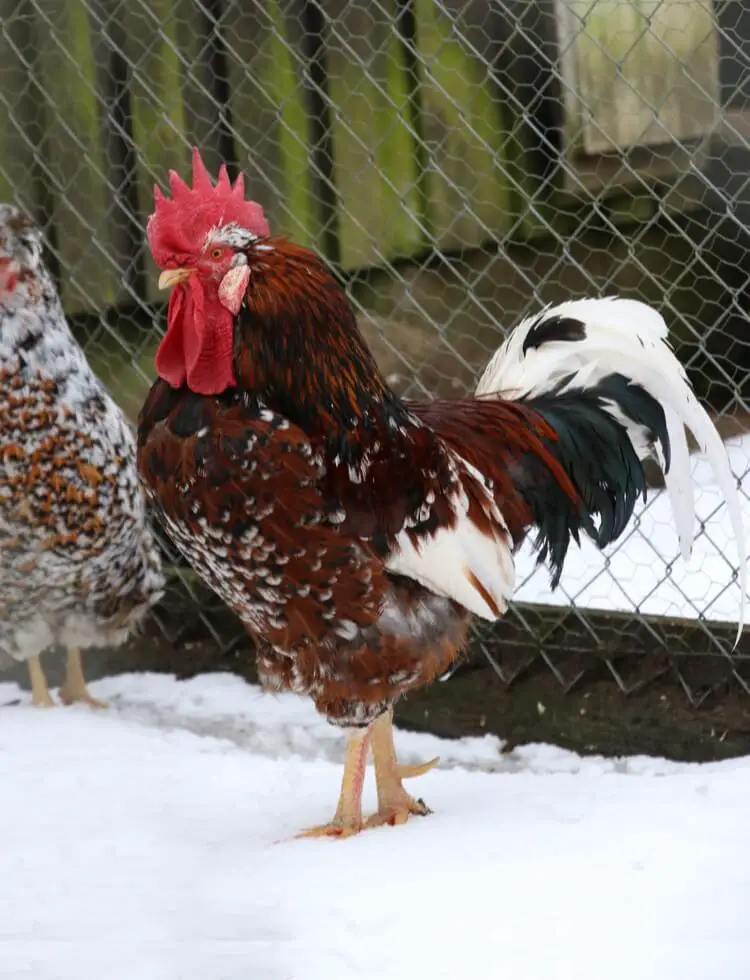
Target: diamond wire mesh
459	164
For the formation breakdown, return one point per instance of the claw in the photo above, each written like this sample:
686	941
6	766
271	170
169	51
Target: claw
74	690
397	812
409	772
347	820
73	697
40	696
332	829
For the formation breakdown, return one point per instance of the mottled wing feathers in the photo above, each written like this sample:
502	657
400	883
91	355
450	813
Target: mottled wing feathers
500	440
496	447
237	486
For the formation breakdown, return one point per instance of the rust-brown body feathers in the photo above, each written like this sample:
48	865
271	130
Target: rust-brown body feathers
355	533
289	492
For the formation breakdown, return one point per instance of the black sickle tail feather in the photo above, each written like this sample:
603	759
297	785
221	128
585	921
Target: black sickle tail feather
601	460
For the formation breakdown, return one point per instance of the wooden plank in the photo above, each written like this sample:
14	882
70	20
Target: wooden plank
640	88
270	118
467	132
200	45
125	232
19	106
159	125
646	71
376	163
72	155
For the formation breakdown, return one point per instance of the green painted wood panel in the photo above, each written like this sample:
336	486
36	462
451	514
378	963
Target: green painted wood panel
72	163
645	72
269	114
159	119
376	165
639	78
467	134
19	106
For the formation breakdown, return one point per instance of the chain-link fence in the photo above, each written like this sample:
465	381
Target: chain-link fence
460	163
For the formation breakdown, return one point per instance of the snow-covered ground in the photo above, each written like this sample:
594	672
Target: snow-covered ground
152	842
644	570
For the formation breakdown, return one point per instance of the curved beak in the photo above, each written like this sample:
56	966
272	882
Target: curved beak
172	277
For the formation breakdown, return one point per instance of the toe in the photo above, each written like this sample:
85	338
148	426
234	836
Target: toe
86	699
335	830
397	813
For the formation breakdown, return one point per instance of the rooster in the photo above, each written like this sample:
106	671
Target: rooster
354	533
78	565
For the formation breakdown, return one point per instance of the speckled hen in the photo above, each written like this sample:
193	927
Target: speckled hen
354	533
78	565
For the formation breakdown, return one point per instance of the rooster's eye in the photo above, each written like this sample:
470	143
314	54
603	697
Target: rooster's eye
216	253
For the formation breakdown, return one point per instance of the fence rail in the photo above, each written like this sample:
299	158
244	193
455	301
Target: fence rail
460	163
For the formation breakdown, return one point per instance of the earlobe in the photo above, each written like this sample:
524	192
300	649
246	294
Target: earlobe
233	287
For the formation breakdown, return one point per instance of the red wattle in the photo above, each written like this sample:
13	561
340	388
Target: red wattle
170	358
197	348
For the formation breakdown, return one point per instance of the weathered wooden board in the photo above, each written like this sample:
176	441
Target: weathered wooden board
639	78
159	120
269	115
199	37
646	72
376	164
71	156
19	106
467	132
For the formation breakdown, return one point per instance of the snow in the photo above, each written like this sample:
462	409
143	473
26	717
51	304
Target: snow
152	841
644	571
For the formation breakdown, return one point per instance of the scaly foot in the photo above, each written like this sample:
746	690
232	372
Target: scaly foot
43	700
68	696
395	805
347	820
396	810
74	690
335	828
40	696
409	772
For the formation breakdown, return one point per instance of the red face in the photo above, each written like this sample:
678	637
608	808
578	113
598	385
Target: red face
210	275
8	276
208	290
210	264
221	270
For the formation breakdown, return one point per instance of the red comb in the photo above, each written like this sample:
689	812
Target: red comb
179	225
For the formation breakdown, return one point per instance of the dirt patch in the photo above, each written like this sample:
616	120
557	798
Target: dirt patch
614	686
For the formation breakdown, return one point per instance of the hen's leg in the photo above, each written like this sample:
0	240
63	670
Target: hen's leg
395	805
347	820
74	689
40	696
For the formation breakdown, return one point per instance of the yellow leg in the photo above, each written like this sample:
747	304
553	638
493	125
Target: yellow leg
395	805
74	689
40	696
347	820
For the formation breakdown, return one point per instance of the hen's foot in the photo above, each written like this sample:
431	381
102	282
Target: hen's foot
43	701
333	829
395	805
347	820
40	696
409	772
396	809
74	690
80	697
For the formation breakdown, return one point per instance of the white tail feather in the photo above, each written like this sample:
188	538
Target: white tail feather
630	338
